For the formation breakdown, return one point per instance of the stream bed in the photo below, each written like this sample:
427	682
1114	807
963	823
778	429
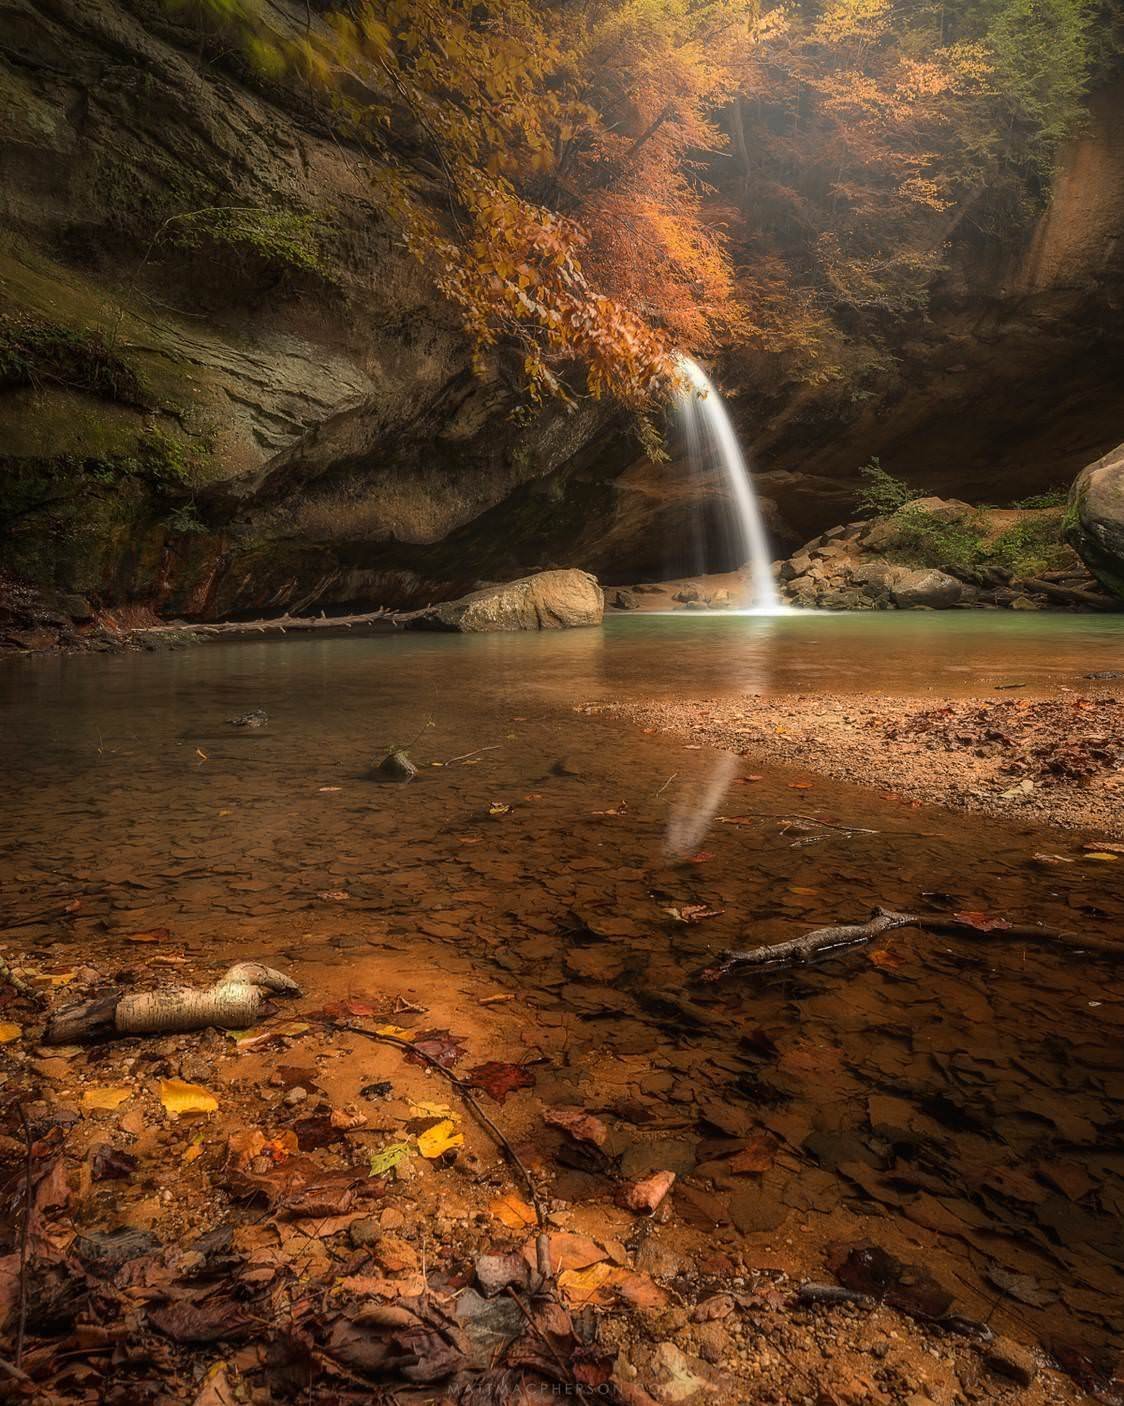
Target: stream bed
959	1102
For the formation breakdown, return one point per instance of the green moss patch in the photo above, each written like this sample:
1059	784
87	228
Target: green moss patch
35	352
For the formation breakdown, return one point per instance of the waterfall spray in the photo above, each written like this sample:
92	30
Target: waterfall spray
708	430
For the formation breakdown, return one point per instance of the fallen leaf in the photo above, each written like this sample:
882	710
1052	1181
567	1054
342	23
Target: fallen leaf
644	1196
395	1031
694	912
387	1158
440	1045
757	1156
106	1097
436	1141
982	922
9	1032
882	957
108	1164
151	935
513	1212
184	1100
346	1121
589	1286
799	785
499	808
499	1079
579	1124
702	856
1102	855
334	895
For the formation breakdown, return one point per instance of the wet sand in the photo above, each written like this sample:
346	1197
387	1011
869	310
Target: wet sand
1056	761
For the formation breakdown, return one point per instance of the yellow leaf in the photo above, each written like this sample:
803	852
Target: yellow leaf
514	1213
194	1148
182	1099
1100	854
431	1110
499	808
437	1140
106	1097
396	1031
9	1032
592	1285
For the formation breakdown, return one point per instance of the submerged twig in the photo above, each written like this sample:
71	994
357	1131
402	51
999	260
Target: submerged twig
464	756
541	1245
665	785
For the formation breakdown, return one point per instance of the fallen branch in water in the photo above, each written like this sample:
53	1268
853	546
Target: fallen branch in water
823	941
804	819
234	1002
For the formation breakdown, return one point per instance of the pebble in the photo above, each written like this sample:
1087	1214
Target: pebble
296	1095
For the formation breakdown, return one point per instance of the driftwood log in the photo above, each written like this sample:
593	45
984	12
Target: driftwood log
234	1002
823	941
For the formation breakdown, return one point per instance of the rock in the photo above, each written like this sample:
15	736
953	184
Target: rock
714	1342
1095	520
926	588
1027	603
296	1095
800	564
257	718
624	599
552	600
1011	1359
676	1380
686	596
363	1232
395	766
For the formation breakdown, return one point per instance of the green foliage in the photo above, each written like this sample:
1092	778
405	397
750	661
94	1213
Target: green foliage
286	239
1027	548
1052	498
925	540
882	493
34	352
1041	53
1031	546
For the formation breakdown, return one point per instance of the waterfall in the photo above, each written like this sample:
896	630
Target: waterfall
709	432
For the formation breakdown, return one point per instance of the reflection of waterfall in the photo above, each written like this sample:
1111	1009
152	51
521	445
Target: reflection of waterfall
690	820
710	433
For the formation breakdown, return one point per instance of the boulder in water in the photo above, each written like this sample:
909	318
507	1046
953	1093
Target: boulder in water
1095	522
395	766
925	589
552	600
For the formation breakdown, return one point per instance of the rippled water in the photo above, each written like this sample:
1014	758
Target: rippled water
959	1101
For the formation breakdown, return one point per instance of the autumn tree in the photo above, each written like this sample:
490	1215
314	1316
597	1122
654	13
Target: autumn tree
596	185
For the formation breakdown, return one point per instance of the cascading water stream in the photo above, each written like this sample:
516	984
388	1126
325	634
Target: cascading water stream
710	433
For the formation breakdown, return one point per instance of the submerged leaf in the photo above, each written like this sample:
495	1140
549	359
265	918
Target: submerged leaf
108	1097
436	1141
387	1158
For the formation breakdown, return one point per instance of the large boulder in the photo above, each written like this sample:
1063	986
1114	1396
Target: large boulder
932	589
1095	522
552	600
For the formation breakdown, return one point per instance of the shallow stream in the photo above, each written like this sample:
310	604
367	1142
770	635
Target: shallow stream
958	1101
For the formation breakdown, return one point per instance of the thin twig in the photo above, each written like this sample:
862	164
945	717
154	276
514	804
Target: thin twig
24	1229
16	1373
665	785
793	815
464	756
542	1247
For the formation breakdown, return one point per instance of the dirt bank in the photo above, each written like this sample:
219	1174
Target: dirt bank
1054	761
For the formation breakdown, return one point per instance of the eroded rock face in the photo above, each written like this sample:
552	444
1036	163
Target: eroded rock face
552	600
1097	529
